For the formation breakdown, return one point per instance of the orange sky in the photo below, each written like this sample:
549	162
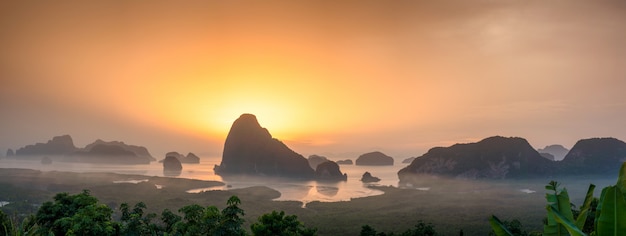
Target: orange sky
324	76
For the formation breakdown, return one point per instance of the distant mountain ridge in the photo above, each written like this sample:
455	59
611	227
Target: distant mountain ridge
491	158
138	150
513	158
58	145
595	156
557	151
62	148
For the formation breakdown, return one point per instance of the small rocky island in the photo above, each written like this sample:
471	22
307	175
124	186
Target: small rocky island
189	159
329	171
172	166
368	178
374	159
345	162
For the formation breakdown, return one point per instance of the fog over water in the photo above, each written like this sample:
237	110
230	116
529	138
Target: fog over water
305	191
308	191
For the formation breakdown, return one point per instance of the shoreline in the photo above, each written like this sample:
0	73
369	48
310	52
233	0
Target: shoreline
450	206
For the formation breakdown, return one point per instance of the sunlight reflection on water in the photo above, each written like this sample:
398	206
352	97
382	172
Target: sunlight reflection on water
304	191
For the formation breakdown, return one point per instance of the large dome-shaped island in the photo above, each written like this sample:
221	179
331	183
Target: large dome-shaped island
250	150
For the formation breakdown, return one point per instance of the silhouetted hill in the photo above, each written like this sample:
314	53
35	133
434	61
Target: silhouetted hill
547	156
492	158
138	150
59	145
110	154
171	163
172	166
61	148
189	159
329	170
595	156
408	160
345	162
315	160
368	178
556	150
374	159
250	150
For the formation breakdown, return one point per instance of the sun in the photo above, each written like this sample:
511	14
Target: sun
276	117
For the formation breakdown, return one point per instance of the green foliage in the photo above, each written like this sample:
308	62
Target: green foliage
611	210
367	230
581	219
169	219
231	221
91	220
559	201
9	228
278	224
6	227
499	227
78	214
564	221
420	229
589	224
134	222
198	220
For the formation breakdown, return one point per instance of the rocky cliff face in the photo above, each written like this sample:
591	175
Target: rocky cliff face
59	145
408	160
171	163
491	158
315	160
329	170
595	156
172	166
250	150
374	159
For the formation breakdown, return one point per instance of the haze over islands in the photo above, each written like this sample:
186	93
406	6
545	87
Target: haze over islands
327	77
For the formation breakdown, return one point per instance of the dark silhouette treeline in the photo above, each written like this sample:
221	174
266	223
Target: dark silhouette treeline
82	214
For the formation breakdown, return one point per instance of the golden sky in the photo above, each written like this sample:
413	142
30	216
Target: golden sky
324	76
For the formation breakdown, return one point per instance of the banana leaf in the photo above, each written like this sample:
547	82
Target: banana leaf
612	217
562	220
621	179
561	203
498	227
584	209
599	208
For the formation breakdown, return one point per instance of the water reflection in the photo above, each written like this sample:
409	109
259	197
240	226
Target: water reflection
172	173
327	190
291	190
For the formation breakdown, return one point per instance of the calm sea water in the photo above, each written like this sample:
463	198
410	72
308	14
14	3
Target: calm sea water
304	191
